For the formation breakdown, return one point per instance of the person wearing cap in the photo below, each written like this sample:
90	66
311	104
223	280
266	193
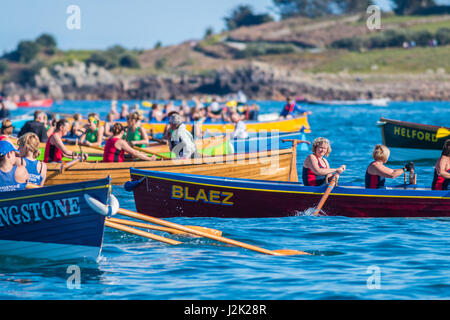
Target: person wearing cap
12	177
93	134
37	126
116	147
181	141
6	130
135	134
29	151
291	108
55	149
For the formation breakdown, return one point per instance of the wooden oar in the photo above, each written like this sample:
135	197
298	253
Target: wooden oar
164	229
32	186
442	132
165	223
327	193
140	232
143	150
67	165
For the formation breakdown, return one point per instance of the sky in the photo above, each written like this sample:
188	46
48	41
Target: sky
134	24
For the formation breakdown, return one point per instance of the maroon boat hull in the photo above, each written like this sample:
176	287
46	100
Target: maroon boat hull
175	198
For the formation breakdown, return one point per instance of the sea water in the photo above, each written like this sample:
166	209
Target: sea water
371	258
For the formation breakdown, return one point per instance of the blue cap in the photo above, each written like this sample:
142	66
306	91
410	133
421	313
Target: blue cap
6	147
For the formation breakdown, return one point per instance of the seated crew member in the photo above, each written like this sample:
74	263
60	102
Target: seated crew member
240	129
377	172
116	147
37	126
135	133
55	149
316	169
29	151
108	125
76	130
124	112
441	179
93	135
181	141
290	108
12	177
6	130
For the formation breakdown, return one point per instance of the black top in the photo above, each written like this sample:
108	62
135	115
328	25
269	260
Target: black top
36	127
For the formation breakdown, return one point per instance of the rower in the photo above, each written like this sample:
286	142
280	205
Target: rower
290	108
441	178
116	147
377	172
76	131
93	135
181	141
12	177
55	149
240	129
6	130
29	151
316	169
136	135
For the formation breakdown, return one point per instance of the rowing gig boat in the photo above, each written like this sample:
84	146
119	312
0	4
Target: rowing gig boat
286	125
166	194
270	165
53	222
411	141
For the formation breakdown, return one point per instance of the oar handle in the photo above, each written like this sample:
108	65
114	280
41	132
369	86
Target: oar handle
330	187
65	166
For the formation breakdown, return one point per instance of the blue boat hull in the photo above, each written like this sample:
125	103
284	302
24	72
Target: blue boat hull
266	141
53	222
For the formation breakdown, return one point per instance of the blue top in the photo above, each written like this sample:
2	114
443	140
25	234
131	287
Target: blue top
34	174
8	181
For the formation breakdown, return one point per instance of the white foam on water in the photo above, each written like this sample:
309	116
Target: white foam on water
309	212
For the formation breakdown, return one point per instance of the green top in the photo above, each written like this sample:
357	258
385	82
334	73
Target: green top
134	136
92	136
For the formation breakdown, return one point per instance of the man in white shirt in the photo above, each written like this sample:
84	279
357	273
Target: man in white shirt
181	141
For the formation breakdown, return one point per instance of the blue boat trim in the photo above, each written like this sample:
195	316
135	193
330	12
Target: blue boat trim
293	187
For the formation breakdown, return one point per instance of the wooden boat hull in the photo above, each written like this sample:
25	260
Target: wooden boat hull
53	222
272	165
165	194
410	141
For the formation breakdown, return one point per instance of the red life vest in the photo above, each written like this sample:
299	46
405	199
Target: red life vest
52	153
111	153
310	178
440	183
3	137
373	181
289	107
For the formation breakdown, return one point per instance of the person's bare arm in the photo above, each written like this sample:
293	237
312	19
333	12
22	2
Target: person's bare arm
21	174
313	164
60	145
383	171
43	173
122	145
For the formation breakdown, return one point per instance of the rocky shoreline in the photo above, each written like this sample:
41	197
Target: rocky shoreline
259	81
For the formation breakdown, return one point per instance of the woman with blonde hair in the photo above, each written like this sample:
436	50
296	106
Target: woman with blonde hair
93	134
316	169
377	172
29	151
6	130
135	134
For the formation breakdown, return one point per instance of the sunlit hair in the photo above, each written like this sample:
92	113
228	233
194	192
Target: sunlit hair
319	142
381	152
94	118
29	142
117	129
7	127
77	117
446	149
135	116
